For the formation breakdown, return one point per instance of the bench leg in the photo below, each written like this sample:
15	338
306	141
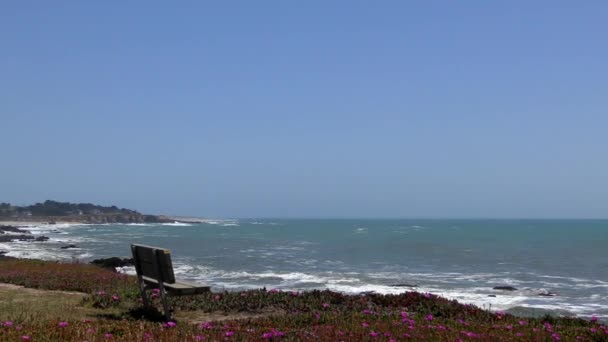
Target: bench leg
144	295
166	306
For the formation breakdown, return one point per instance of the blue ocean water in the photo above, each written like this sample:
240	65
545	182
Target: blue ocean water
458	259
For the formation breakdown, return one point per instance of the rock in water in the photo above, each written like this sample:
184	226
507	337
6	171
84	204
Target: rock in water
69	246
505	288
112	262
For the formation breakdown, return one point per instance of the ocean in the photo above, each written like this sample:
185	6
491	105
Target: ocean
457	259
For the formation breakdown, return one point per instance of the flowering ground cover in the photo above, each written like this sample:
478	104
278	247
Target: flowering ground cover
308	316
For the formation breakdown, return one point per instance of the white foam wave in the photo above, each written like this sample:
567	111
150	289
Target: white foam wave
177	224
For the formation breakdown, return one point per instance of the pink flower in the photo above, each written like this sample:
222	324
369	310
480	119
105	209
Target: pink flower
295	293
274	290
509	327
199	337
429	318
555	337
367	312
171	324
373	334
217	297
325	305
101	293
108	336
115	298
90	331
267	335
206	325
594	318
523	322
229	333
157	291
8	324
26	338
365	324
403	314
593	330
519	334
63	324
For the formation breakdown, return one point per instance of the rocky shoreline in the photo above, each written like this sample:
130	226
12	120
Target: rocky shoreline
12	233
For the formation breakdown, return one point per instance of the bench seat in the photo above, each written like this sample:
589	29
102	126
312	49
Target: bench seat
179	287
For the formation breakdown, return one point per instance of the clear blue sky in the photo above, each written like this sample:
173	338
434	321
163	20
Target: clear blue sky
309	108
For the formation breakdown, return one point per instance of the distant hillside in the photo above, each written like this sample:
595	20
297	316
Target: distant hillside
75	212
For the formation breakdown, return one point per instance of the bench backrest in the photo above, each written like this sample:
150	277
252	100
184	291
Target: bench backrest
153	262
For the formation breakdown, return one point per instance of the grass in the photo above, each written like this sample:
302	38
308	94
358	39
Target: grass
107	307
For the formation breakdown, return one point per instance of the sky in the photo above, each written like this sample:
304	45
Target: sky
308	109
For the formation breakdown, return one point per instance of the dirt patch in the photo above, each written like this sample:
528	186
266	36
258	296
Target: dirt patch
36	292
195	317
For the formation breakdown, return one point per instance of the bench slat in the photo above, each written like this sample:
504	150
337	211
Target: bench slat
180	287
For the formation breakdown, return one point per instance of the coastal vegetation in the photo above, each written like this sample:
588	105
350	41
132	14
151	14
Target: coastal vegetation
109	308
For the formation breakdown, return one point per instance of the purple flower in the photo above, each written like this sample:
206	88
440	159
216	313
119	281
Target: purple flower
108	336
267	335
373	334
8	324
199	337
429	318
63	324
594	318
555	337
26	338
367	312
229	333
325	305
365	324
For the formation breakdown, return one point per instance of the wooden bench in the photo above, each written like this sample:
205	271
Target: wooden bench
155	271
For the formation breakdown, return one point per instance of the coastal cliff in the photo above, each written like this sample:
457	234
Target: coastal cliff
53	211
